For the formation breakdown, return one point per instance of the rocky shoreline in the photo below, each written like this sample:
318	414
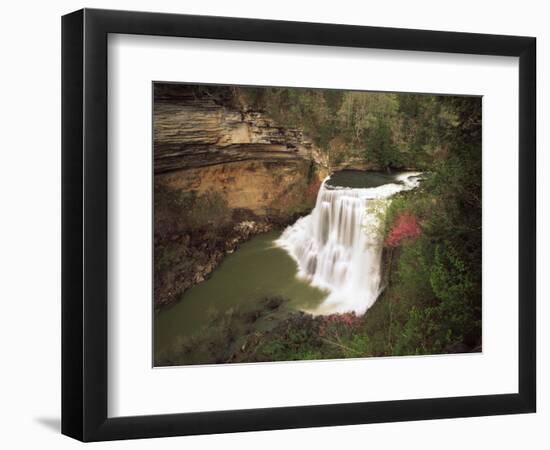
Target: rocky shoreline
196	255
206	252
223	174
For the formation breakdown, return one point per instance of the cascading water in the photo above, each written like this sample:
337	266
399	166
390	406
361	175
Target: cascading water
337	246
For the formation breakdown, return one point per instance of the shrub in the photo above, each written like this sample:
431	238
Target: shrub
405	227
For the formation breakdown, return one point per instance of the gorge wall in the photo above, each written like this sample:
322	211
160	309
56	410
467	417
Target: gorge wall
223	172
209	140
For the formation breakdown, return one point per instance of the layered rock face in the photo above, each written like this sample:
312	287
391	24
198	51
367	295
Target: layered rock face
208	143
196	129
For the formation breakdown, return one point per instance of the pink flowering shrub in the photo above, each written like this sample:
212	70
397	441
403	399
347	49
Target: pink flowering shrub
405	226
333	322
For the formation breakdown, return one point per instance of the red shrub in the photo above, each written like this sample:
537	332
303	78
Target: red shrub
405	226
333	321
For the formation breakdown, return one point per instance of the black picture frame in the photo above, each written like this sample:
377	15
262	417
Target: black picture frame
84	224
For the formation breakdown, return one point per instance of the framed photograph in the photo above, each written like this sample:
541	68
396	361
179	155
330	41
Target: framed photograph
273	224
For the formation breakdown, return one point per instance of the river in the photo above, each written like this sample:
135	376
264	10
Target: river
324	263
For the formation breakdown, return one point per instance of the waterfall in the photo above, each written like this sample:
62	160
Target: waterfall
338	247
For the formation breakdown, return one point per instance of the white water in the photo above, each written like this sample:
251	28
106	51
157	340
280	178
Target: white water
337	246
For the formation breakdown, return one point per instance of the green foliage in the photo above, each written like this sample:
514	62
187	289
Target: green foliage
303	336
432	301
361	113
388	130
381	147
312	110
436	289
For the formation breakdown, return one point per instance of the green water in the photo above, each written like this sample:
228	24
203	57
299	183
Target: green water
361	179
256	270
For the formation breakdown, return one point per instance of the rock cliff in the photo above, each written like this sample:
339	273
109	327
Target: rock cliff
208	140
223	173
196	128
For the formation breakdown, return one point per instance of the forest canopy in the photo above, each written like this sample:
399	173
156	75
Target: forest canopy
430	300
432	303
391	130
